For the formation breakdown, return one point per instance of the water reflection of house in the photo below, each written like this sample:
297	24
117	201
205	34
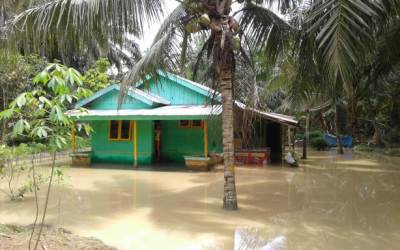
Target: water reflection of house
176	111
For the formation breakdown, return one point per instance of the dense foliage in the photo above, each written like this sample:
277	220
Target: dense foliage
39	115
97	78
17	78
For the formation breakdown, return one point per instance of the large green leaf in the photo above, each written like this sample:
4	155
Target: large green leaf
6	114
21	100
19	127
45	101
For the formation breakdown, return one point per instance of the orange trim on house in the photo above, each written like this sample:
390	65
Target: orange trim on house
190	124
119	132
73	132
205	124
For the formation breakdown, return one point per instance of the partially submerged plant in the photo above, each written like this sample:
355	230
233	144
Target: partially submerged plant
40	116
17	167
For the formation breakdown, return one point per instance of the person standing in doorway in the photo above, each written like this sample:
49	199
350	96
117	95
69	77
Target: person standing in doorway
157	140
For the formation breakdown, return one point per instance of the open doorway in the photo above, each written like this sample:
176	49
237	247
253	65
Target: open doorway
157	141
274	141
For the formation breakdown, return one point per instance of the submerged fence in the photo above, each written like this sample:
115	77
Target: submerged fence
41	159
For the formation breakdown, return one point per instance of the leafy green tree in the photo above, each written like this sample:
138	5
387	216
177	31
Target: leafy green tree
16	74
41	114
97	78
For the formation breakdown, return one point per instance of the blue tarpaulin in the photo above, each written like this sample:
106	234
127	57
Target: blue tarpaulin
347	141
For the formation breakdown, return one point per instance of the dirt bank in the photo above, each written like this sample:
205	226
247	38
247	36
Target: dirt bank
17	237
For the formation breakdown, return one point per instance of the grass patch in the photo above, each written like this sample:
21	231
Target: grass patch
389	151
9	228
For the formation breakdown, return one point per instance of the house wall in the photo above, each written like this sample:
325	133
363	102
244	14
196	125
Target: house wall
110	101
268	134
105	150
264	134
174	92
179	142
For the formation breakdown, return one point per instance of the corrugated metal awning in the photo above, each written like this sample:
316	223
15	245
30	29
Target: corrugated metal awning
279	118
179	112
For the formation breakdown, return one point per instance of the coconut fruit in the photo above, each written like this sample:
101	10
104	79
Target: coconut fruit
193	26
205	19
236	43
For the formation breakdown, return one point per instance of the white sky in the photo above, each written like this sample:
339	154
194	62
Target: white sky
151	31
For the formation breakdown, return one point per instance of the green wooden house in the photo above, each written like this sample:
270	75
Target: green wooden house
166	120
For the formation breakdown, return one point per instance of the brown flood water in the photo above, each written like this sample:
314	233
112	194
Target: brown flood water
348	202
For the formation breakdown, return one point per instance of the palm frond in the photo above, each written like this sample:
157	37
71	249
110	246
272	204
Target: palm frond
58	27
343	31
125	56
164	55
387	55
265	30
280	5
173	20
199	58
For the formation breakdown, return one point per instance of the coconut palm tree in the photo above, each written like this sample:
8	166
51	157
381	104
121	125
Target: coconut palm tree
216	21
340	46
333	38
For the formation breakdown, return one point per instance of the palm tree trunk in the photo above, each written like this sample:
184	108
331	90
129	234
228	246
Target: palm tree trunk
354	122
377	137
230	200
323	124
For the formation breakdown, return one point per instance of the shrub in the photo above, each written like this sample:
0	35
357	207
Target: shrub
319	143
364	148
315	134
311	135
390	151
299	136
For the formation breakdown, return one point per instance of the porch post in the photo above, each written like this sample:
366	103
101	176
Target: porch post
289	138
135	146
73	142
205	127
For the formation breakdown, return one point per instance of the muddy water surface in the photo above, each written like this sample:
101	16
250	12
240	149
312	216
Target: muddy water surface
348	202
